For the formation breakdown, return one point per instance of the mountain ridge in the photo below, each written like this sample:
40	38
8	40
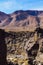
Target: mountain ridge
30	19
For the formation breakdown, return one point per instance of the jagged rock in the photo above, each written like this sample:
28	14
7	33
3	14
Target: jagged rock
23	46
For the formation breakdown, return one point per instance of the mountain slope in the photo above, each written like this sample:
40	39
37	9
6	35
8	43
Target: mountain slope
21	20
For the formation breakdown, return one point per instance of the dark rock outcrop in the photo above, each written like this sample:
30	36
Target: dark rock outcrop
3	48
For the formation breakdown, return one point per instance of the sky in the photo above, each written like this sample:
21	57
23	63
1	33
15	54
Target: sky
9	6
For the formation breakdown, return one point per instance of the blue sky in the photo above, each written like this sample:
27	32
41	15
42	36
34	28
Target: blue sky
9	6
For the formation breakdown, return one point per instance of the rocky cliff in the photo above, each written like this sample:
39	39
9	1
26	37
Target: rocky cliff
25	47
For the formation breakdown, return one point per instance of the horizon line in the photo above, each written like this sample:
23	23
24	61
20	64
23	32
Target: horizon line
21	10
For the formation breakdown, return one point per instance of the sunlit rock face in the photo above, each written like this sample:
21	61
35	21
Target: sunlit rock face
21	47
24	47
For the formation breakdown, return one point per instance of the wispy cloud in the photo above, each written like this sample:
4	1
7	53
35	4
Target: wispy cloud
12	5
6	5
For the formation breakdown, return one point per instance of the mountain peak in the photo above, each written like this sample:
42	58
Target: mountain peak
21	18
29	12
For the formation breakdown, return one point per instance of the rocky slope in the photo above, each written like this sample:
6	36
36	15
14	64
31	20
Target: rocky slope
25	47
21	20
23	36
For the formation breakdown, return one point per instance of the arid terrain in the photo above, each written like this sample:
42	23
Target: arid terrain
21	20
25	47
24	36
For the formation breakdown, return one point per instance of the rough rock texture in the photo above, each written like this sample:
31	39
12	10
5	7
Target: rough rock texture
25	47
23	37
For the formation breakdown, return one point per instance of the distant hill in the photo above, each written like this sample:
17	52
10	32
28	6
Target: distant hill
21	20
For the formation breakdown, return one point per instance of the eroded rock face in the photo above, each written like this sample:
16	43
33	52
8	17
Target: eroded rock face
22	47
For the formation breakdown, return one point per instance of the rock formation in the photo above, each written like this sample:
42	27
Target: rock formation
21	41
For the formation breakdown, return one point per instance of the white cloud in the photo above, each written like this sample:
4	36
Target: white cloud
9	6
6	5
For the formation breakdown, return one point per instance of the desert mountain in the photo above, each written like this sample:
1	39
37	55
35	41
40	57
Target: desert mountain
21	20
23	47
